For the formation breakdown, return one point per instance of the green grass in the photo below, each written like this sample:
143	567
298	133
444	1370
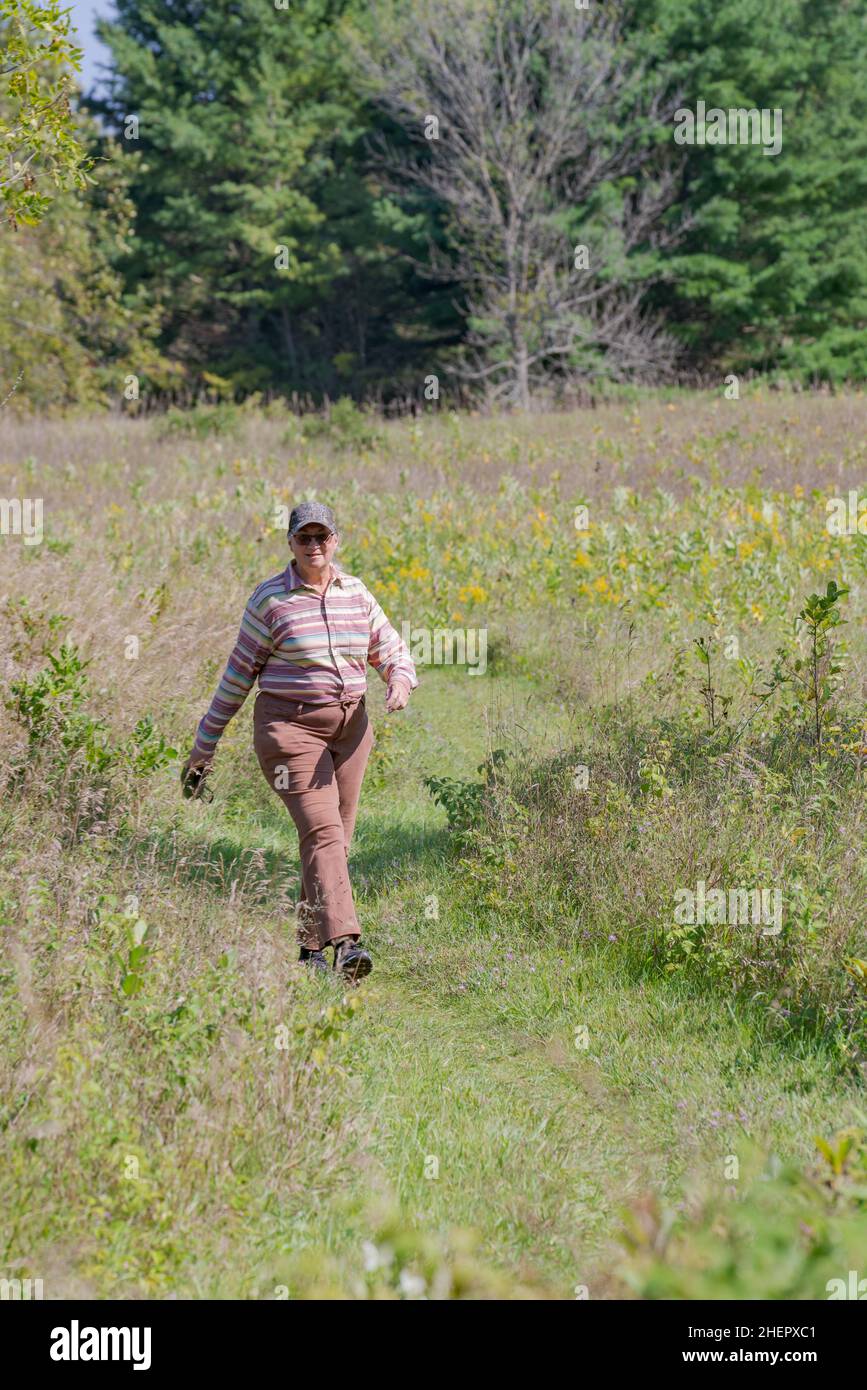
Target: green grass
541	1142
236	1128
462	1055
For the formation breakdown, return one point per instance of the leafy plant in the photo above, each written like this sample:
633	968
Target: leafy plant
385	754
858	970
138	949
71	759
202	422
653	771
716	705
32	631
464	801
118	943
146	751
345	425
320	1037
845	1145
813	680
51	708
821	616
37	127
778	1233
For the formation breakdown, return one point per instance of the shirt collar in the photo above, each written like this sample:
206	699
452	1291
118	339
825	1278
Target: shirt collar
292	579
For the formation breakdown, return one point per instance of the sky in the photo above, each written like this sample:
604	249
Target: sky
84	15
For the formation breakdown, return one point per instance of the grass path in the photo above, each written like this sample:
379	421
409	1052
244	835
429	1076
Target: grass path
467	1099
464	1061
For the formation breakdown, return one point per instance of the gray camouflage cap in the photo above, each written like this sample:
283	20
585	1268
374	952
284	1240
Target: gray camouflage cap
307	512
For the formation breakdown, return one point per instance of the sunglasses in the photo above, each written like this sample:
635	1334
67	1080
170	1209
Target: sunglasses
314	538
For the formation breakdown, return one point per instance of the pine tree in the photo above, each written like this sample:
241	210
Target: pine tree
276	255
774	274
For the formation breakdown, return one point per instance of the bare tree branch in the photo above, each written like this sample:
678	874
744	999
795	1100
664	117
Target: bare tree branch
548	124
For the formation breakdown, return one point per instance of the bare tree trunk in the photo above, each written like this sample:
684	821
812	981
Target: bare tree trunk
522	373
540	109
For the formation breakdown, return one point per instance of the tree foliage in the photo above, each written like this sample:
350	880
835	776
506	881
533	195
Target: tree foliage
287	224
537	129
255	212
773	275
38	146
70	333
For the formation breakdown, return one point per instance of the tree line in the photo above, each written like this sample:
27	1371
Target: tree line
407	199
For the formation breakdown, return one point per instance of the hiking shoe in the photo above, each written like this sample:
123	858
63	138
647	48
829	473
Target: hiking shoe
314	960
353	960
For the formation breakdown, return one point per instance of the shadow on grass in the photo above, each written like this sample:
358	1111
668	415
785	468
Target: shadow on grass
388	853
215	857
801	1032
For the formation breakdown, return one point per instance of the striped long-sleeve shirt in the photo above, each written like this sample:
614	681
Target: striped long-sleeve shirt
306	646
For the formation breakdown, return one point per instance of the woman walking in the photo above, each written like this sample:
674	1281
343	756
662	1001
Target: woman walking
307	633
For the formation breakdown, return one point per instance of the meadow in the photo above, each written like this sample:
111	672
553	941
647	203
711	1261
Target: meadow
555	1084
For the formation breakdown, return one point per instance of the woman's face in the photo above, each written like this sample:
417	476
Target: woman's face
313	547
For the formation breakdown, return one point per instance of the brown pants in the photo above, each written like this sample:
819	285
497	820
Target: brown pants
314	757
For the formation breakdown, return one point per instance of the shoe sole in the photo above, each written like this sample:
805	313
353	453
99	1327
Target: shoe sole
357	969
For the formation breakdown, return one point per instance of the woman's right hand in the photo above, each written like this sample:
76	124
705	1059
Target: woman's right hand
193	774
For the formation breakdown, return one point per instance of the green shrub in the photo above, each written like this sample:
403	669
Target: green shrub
70	759
345	425
605	863
779	1233
464	802
202	422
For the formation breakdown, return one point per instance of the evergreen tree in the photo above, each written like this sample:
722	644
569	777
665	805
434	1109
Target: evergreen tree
278	258
774	273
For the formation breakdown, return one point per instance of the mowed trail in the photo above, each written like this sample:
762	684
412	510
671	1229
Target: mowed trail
485	1102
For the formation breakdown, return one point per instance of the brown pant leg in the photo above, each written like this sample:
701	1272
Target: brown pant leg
350	751
305	926
301	757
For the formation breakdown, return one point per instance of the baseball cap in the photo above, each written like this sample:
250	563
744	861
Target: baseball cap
307	512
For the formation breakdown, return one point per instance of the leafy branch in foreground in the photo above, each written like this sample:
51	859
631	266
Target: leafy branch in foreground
37	131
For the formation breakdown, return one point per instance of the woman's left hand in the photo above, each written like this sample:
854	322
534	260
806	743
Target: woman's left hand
396	695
